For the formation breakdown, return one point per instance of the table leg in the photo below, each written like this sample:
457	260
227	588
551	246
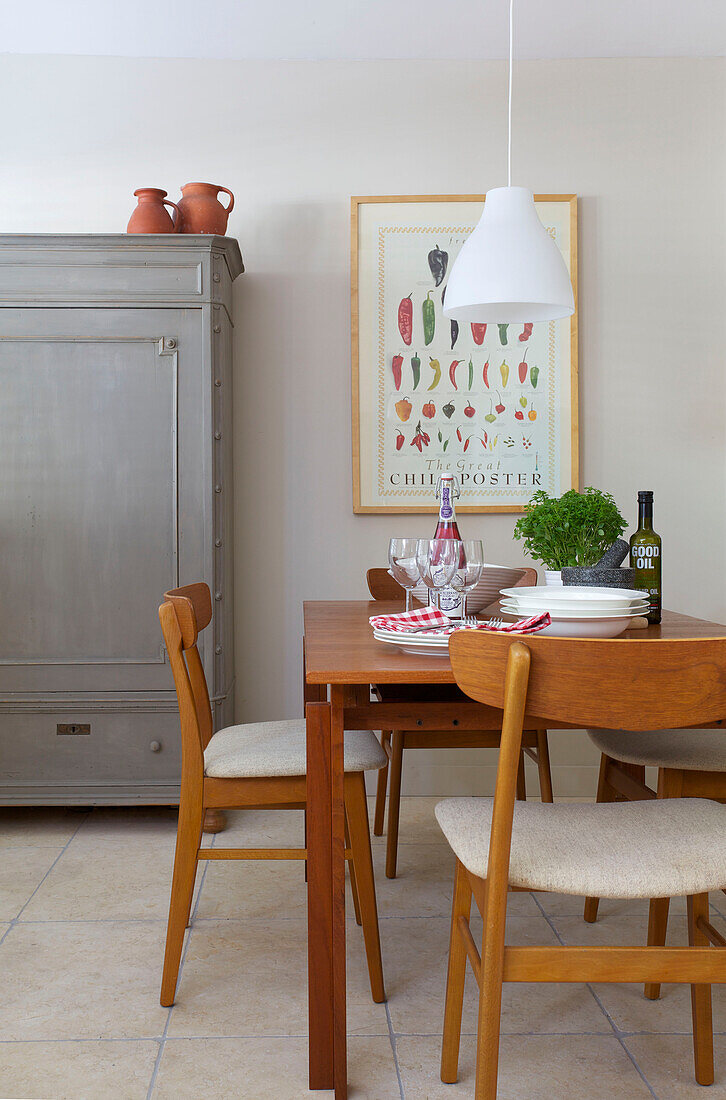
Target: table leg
326	898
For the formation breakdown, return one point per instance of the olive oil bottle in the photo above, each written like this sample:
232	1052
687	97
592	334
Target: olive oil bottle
645	555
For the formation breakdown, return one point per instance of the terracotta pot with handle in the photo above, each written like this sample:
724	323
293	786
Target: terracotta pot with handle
150	215
201	211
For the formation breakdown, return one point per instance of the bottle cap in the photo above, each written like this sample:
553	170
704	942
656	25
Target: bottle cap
645	496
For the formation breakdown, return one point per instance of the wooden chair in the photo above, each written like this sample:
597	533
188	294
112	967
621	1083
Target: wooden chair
690	763
382	586
257	766
653	848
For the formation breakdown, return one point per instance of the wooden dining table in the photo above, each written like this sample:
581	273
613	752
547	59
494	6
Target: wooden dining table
341	661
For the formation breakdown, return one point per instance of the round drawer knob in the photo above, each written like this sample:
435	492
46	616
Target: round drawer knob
217	328
218	649
218	596
217	542
155	746
218	382
218	488
217	435
216	277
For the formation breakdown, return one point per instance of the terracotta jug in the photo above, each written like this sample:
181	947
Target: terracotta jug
201	211
150	215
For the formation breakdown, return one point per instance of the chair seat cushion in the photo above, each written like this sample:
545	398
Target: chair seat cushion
654	849
691	750
278	748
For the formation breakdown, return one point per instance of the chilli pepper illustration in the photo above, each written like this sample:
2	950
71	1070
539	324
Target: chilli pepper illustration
429	318
436	368
523	401
458	434
484	440
400	440
429	410
469	410
438	262
526	442
446	444
441	438
503	333
526	332
519	415
490	416
485	374
416	369
396	364
534	375
471	373
454	333
449	410
523	367
405	319
500	407
478	332
452	372
466	442
532	414
403	409
504	371
421	437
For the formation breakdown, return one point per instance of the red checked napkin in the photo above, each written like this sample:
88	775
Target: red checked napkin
522	626
422	618
407	621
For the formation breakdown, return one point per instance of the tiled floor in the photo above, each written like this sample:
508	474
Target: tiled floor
83	900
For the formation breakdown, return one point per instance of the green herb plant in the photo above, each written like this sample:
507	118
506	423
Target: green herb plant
574	529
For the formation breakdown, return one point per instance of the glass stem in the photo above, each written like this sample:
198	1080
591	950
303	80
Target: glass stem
463	603
409	592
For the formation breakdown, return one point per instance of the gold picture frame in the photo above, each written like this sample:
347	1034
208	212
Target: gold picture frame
388	242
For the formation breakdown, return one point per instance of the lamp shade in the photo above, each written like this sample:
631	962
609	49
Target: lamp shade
509	268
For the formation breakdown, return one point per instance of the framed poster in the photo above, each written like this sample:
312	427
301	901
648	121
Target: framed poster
494	404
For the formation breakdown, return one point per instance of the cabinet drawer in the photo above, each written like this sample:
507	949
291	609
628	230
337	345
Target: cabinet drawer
90	746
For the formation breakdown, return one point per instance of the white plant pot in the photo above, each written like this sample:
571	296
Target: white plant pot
553	576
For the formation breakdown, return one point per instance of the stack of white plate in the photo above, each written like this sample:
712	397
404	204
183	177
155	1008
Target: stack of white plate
577	612
428	643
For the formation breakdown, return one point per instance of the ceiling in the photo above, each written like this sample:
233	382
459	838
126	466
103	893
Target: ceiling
361	29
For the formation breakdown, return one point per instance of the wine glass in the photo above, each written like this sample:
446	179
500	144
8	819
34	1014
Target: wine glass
468	574
403	564
437	562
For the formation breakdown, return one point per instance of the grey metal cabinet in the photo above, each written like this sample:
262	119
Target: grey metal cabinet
115	484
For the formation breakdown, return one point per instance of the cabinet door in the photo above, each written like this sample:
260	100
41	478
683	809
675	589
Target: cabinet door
89	492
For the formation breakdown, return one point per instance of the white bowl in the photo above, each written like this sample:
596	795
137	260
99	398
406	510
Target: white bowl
589	597
584	628
490	584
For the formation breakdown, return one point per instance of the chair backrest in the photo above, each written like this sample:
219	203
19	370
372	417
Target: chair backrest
183	614
382	586
635	684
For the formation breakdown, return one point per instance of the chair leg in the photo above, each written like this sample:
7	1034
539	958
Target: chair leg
360	843
521	780
657	929
188	837
700	997
455	979
351	872
381	787
490	1011
605	793
394	803
543	767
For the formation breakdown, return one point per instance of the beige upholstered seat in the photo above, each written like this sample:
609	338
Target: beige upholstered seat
655	849
278	748
691	750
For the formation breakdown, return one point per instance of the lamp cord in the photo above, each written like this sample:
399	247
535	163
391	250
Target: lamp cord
511	50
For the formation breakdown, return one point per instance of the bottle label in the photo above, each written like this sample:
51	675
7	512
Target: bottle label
645	557
446	511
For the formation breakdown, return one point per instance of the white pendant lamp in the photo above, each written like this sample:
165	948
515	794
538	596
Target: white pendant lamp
509	268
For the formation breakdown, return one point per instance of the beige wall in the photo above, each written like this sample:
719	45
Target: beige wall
642	143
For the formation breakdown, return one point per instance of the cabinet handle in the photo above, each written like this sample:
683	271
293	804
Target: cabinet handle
218	596
155	746
218	381
217	328
218	649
